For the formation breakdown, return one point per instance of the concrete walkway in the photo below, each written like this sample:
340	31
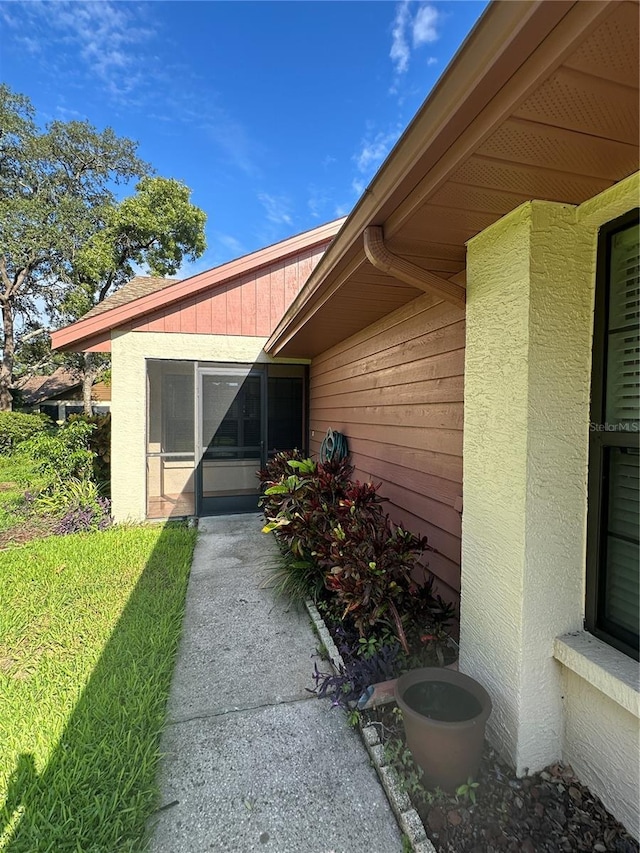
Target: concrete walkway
252	760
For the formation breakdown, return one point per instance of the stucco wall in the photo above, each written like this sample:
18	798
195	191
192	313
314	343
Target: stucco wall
530	296
129	350
601	744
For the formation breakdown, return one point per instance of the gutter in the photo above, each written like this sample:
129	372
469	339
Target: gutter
509	52
383	259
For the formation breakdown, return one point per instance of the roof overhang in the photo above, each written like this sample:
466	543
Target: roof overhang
541	101
93	333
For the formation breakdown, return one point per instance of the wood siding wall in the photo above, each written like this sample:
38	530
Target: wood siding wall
396	391
100	392
251	304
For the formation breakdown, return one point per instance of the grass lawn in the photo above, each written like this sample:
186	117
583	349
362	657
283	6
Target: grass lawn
89	625
13	470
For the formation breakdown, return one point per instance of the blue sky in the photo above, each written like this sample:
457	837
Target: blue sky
275	114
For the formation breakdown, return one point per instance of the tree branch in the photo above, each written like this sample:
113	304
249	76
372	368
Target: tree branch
33	334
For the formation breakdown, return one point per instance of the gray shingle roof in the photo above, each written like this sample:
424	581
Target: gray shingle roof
37	388
139	286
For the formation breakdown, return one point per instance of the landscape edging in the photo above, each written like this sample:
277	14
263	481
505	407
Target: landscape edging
408	818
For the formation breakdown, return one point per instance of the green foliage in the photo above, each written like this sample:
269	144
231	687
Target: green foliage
100	446
57	468
61	456
294	578
467	791
16	427
16	470
278	466
157	226
70	493
353	718
67	240
372	645
337	538
371	572
299	508
409	774
54	184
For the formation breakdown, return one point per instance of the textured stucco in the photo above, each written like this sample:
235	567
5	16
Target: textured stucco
602	744
530	293
129	350
524	446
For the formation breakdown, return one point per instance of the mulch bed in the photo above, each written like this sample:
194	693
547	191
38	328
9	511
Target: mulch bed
547	812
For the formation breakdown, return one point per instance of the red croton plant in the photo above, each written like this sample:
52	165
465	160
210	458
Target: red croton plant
337	529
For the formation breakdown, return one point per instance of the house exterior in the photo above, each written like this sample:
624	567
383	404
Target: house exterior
60	395
197	404
492	384
473	330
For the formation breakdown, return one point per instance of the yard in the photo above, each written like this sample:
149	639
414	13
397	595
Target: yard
89	625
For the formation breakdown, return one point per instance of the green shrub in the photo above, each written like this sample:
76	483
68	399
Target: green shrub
339	546
62	455
100	444
16	427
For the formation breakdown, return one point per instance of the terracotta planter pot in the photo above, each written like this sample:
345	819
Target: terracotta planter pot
384	691
444	714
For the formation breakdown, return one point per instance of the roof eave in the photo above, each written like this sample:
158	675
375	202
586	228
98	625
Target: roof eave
501	42
86	332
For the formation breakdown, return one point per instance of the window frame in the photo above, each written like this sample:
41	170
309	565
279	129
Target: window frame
600	443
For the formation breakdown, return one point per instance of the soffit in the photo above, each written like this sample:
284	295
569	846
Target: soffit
568	137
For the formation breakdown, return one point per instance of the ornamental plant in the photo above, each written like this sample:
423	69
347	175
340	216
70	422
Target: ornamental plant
301	503
371	572
347	686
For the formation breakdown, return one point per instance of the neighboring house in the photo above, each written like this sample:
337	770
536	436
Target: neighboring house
60	394
473	330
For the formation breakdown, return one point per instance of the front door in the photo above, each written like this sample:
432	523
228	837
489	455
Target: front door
231	418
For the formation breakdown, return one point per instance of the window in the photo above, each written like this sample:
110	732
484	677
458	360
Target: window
285	413
232	416
177	410
613	555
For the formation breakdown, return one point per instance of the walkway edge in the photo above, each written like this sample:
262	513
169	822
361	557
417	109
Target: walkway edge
408	818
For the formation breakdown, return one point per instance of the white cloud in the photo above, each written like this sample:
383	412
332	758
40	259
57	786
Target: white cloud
277	208
105	36
424	26
374	148
231	137
374	151
69	114
358	186
229	242
410	31
400	51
